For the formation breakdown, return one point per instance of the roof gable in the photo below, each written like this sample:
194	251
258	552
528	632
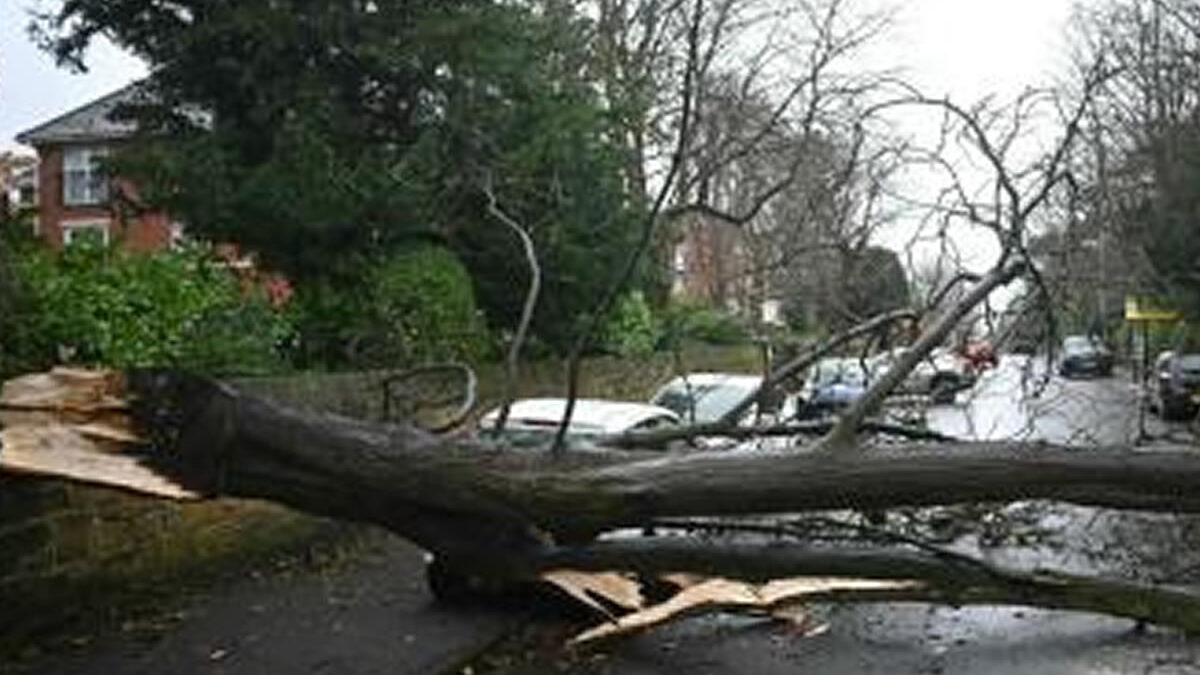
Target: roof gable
89	122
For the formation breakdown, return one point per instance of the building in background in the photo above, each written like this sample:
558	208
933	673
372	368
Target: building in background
75	198
18	182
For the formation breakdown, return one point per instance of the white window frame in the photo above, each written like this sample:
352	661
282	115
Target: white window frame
70	228
176	236
83	184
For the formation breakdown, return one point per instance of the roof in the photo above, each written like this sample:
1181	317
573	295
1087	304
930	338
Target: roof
89	122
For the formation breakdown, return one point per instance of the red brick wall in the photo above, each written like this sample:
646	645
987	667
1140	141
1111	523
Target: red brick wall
144	232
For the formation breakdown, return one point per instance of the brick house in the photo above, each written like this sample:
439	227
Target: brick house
75	199
715	263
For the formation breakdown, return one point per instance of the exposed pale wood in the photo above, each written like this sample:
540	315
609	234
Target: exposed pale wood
66	389
65	452
76	424
620	589
717	593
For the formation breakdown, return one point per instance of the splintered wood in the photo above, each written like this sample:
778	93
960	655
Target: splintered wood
76	424
781	598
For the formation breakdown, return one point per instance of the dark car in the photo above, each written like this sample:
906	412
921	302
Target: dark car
1177	386
1084	356
833	384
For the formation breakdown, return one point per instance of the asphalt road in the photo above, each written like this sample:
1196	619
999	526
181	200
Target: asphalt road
1021	400
359	610
1016	400
370	612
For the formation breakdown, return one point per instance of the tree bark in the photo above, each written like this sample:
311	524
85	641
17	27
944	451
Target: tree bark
513	514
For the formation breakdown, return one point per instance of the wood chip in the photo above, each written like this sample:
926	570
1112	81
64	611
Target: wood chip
618	589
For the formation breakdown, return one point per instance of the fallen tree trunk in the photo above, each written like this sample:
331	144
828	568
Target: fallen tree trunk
514	515
211	439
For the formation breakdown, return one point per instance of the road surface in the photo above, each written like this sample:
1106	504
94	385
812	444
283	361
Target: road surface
1013	401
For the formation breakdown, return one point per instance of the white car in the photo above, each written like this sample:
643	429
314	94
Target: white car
700	398
536	420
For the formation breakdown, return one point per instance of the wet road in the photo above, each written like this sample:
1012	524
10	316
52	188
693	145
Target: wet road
1018	400
1014	401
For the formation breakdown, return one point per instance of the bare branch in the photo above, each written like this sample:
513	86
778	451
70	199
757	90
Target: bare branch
512	360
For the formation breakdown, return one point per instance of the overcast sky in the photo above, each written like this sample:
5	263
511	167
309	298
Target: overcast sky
972	48
33	89
965	48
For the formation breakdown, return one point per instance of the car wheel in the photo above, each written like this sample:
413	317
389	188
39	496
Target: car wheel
1174	410
942	390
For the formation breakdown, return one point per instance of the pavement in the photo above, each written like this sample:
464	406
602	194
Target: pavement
367	611
360	610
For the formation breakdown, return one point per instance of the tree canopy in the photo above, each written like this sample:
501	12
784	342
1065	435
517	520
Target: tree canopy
316	133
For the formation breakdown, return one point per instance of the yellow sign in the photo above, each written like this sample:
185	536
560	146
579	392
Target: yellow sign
1143	308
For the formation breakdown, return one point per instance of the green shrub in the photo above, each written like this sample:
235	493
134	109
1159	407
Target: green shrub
413	306
103	306
632	329
702	323
21	348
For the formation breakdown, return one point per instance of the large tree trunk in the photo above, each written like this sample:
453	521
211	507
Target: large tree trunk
515	514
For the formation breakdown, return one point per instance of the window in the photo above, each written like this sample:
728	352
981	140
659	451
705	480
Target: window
177	236
94	232
83	182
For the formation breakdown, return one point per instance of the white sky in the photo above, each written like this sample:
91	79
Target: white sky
972	48
968	50
34	90
964	48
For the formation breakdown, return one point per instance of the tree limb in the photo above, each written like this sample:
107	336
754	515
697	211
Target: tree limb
512	360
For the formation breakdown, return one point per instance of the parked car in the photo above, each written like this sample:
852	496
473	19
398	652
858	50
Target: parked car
1176	390
1083	355
832	385
706	397
535	420
940	375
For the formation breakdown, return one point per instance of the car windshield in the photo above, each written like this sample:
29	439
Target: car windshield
1188	363
838	371
1078	343
703	403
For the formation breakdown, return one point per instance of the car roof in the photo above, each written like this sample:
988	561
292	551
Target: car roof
710	379
590	414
